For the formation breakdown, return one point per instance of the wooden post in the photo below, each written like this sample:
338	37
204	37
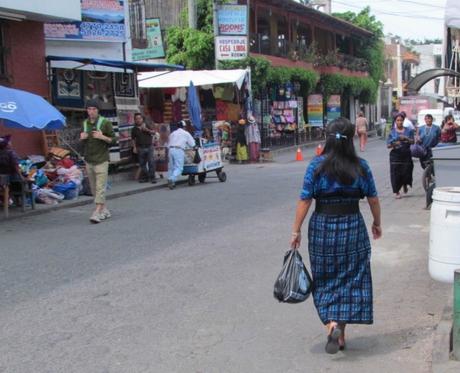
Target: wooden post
192	16
456	326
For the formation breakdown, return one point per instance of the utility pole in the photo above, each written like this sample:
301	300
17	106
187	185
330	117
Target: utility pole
192	22
216	30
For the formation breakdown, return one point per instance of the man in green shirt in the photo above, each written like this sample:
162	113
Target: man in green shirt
97	137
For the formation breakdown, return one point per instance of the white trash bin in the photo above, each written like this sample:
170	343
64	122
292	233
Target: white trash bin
445	234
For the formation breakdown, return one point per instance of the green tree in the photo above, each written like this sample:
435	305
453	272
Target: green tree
371	49
189	47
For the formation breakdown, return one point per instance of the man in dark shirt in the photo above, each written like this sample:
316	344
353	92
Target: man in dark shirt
141	136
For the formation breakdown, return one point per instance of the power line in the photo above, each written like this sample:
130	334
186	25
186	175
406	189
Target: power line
391	13
423	4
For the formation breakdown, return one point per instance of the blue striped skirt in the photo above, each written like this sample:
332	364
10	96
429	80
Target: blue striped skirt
340	254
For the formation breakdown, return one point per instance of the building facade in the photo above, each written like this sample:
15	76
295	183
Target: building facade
22	56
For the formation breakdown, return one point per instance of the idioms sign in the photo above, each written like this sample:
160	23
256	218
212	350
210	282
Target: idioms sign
232	20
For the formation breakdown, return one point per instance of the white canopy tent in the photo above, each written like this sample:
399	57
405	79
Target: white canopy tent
178	79
453	14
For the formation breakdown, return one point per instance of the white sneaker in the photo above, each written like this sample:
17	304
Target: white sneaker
96	218
106	213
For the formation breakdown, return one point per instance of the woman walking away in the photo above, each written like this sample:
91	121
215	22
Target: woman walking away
401	165
361	130
338	242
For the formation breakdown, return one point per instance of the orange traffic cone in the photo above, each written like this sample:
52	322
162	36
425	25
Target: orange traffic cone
319	149
298	155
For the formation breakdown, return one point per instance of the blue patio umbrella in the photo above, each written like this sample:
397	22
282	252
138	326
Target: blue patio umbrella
21	109
194	108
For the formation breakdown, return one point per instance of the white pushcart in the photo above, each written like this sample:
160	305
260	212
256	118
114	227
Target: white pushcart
211	161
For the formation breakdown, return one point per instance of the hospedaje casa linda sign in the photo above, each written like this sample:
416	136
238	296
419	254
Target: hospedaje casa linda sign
102	20
232	24
231	47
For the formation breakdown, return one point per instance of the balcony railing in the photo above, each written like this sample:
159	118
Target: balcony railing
295	51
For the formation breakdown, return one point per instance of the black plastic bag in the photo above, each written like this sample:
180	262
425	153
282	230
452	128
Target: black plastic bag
294	283
197	158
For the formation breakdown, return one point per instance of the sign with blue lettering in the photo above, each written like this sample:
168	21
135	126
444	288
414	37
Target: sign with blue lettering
102	20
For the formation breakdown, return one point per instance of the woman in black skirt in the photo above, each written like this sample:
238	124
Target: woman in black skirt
401	165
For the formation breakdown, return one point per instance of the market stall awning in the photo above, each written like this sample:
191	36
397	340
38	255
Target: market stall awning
452	14
134	66
177	79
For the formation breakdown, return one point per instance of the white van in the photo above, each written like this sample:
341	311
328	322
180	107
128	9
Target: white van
438	116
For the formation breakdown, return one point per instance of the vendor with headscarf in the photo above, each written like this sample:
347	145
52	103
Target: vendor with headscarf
9	164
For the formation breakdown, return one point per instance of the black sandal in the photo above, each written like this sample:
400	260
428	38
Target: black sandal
332	345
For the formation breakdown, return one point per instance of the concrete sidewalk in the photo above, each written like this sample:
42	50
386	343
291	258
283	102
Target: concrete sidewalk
120	185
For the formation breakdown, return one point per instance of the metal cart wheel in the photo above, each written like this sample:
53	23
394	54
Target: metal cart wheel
222	176
191	180
202	178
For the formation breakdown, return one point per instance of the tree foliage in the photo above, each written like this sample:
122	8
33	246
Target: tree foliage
263	74
371	49
189	47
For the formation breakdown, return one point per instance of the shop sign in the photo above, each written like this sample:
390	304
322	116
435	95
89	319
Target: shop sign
333	108
315	110
155	42
232	19
102	20
231	47
212	157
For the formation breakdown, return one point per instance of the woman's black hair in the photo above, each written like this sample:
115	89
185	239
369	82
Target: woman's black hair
341	162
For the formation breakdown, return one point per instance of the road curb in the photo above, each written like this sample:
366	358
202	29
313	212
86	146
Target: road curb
442	343
442	340
372	137
85	200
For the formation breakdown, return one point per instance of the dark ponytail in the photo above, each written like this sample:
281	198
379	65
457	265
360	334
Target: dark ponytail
341	162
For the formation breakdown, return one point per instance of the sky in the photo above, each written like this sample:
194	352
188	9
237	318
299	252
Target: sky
410	19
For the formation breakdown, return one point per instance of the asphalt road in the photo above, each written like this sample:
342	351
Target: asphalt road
182	281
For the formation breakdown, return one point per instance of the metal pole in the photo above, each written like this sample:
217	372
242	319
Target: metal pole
216	30
456	326
192	14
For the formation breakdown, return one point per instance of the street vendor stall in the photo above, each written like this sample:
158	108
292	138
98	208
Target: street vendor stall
223	97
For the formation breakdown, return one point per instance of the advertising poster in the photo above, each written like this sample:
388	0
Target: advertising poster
315	110
333	108
231	47
102	20
232	20
155	42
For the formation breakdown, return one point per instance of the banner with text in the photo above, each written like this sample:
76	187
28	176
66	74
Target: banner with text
231	47
333	108
102	20
155	42
315	110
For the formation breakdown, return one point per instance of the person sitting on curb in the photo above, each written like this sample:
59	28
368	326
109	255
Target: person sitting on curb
178	141
97	137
